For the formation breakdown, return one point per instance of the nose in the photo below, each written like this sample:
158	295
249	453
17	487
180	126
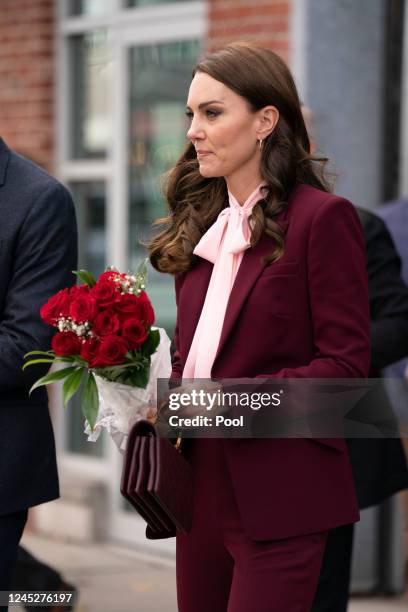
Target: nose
195	131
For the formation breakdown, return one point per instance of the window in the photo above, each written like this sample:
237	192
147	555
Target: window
91	71
159	80
90	203
140	3
88	7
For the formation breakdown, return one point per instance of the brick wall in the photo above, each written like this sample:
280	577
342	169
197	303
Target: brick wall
27	77
266	21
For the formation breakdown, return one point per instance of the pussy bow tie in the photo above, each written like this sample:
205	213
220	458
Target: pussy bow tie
235	218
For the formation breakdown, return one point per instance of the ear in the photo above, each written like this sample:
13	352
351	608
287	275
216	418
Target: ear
267	120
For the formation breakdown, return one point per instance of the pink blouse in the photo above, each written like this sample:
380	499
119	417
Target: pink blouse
223	245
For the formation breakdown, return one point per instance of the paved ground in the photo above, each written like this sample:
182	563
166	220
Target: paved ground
113	579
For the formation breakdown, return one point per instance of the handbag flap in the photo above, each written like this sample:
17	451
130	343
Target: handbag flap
129	477
127	462
157	516
171	482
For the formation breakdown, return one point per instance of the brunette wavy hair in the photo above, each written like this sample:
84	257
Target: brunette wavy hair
262	78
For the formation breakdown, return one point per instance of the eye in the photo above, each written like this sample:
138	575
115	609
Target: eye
211	113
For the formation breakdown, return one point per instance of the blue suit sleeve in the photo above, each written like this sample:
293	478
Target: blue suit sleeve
45	253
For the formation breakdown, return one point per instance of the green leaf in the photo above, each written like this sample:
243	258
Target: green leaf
47	353
90	400
34	361
116	375
76	359
72	384
141	274
86	277
51	378
66	359
123	366
142	268
152	342
140	378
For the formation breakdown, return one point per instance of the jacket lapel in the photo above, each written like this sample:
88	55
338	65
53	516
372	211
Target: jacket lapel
250	269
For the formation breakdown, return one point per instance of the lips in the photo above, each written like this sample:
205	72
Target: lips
201	153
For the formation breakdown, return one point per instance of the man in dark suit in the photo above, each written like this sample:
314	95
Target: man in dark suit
38	251
395	216
379	465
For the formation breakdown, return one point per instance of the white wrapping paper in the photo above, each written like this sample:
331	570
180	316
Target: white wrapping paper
120	406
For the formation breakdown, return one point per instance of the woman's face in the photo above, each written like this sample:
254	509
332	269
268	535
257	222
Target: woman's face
224	130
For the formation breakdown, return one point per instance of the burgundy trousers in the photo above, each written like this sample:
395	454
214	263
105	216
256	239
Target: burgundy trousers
220	569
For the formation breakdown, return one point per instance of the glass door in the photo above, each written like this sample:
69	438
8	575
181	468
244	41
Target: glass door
159	79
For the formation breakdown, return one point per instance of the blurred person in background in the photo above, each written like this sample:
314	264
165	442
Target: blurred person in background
379	465
395	215
252	238
38	240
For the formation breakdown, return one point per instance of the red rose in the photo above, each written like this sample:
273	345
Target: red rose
57	306
83	308
112	351
77	290
105	292
127	304
66	343
89	350
134	332
106	323
146	312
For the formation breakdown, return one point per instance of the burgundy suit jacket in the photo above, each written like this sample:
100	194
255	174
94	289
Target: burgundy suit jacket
306	315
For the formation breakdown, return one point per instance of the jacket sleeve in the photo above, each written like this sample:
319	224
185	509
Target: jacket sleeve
338	294
45	253
388	296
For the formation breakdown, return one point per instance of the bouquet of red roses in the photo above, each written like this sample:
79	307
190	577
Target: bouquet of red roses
105	337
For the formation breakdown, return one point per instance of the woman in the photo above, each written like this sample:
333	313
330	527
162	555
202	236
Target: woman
271	282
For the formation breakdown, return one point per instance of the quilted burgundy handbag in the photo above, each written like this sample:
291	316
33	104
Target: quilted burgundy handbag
157	481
